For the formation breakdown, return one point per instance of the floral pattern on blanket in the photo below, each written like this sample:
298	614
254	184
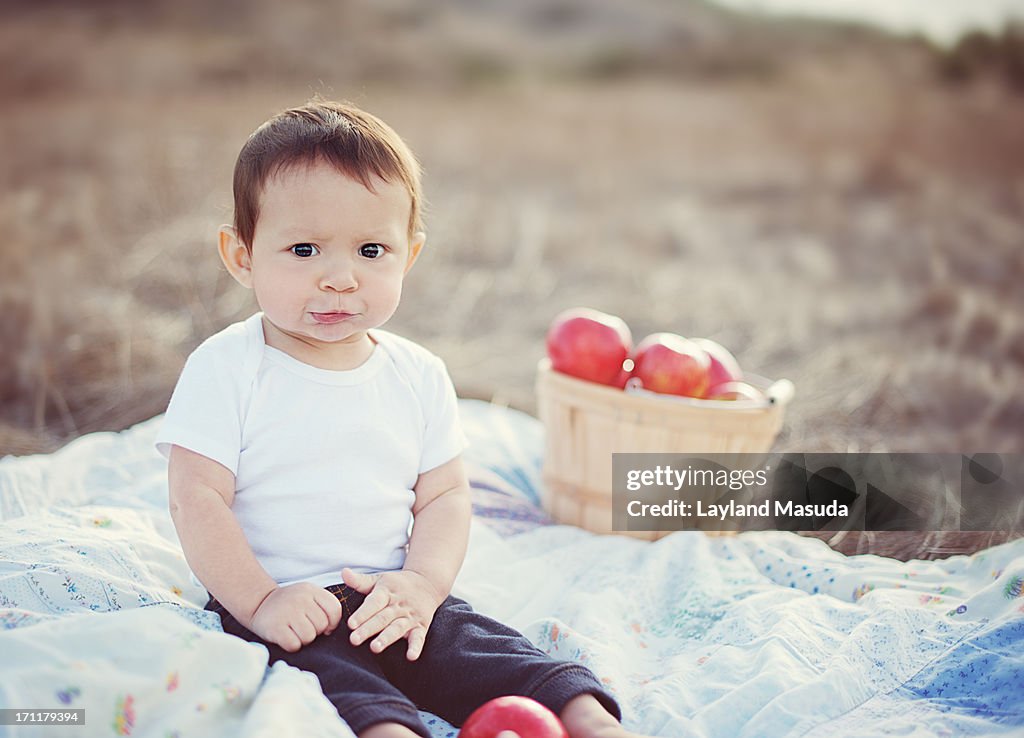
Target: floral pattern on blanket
151	673
64	561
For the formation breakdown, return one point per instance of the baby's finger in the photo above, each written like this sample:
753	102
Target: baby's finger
417	638
372	626
391	634
304	629
289	641
332	609
377	600
318	619
358	581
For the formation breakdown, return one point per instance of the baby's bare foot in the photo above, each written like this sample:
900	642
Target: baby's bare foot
585	717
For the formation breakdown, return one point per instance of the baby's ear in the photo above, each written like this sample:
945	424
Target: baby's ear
415	246
235	255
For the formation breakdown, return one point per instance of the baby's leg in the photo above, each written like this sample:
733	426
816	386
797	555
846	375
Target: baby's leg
585	717
350	678
388	730
469	659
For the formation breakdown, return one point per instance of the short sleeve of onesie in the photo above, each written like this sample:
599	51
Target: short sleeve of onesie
204	414
443	437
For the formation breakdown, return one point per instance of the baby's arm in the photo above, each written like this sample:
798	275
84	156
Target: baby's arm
440	533
402	604
201	493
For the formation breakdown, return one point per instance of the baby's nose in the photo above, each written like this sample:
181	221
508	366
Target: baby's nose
340	277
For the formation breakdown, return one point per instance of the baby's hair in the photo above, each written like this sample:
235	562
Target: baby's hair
358	144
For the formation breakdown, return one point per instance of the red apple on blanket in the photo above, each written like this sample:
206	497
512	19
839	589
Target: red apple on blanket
724	367
519	716
735	391
589	344
672	365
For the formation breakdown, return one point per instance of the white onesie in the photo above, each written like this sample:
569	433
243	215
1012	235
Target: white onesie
324	461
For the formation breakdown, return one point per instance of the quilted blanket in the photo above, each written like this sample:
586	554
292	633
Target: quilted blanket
761	634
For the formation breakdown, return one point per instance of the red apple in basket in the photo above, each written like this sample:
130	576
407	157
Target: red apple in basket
521	716
672	365
735	391
724	367
589	344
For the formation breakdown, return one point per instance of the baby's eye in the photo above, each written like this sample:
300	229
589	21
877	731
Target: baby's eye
304	249
372	250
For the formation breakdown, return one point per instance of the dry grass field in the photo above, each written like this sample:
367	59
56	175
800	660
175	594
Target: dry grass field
815	199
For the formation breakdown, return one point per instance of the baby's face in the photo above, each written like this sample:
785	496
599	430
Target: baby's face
329	257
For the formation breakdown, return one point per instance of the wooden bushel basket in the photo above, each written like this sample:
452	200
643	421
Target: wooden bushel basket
585	423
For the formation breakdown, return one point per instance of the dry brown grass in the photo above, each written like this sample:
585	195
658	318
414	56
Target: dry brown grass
849	225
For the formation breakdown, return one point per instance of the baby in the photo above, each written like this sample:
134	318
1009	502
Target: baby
315	470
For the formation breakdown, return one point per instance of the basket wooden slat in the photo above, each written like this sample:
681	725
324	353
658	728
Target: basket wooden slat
585	423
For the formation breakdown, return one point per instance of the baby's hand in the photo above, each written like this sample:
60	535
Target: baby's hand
293	616
401	604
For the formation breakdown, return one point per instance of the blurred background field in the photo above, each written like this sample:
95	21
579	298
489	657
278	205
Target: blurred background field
837	205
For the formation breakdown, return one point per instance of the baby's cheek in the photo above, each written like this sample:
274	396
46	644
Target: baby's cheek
389	298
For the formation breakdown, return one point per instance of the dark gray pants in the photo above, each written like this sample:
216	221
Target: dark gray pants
467	659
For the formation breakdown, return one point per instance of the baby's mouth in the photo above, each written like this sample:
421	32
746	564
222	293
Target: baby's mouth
331	317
